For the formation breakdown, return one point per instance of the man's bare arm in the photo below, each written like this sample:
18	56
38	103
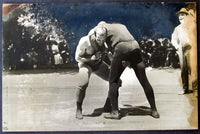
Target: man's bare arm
81	50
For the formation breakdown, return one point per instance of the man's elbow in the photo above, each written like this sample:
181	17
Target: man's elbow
77	58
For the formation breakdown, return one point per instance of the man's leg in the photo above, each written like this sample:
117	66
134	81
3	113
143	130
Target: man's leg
185	72
103	72
114	78
84	75
141	75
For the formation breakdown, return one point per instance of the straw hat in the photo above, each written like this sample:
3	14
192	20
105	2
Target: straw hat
183	10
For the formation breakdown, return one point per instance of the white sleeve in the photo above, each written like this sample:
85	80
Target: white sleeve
174	39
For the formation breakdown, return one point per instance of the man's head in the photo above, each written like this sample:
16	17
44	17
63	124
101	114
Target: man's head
100	34
181	14
101	23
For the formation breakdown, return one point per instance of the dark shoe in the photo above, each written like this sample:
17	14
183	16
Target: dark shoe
113	115
155	114
186	92
79	114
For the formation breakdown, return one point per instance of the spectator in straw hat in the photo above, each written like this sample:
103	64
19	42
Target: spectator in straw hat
181	42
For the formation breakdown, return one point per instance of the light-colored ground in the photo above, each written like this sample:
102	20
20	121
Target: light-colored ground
46	102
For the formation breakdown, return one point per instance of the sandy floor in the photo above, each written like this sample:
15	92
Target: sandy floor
46	102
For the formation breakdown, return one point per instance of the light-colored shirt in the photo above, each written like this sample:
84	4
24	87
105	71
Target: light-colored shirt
179	37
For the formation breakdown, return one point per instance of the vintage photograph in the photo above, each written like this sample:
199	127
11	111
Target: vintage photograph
99	66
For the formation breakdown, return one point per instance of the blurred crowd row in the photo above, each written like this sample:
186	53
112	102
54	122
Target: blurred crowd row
48	53
159	53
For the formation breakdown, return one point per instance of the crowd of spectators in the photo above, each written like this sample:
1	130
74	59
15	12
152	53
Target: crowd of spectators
159	53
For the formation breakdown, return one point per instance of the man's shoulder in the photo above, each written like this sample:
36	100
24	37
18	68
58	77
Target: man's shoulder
176	29
179	27
84	38
117	25
84	41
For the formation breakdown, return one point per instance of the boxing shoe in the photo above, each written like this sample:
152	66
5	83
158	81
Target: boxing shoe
155	114
79	114
113	115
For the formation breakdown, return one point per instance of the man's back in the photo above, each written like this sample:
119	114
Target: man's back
117	33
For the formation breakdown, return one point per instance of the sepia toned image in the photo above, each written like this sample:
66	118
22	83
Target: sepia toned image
99	66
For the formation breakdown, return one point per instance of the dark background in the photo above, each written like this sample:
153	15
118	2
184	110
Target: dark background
71	21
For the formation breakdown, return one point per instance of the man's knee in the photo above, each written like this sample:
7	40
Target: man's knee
119	83
141	65
80	93
114	86
83	87
115	83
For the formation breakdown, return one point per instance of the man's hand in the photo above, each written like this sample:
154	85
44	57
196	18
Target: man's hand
93	58
97	56
186	47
